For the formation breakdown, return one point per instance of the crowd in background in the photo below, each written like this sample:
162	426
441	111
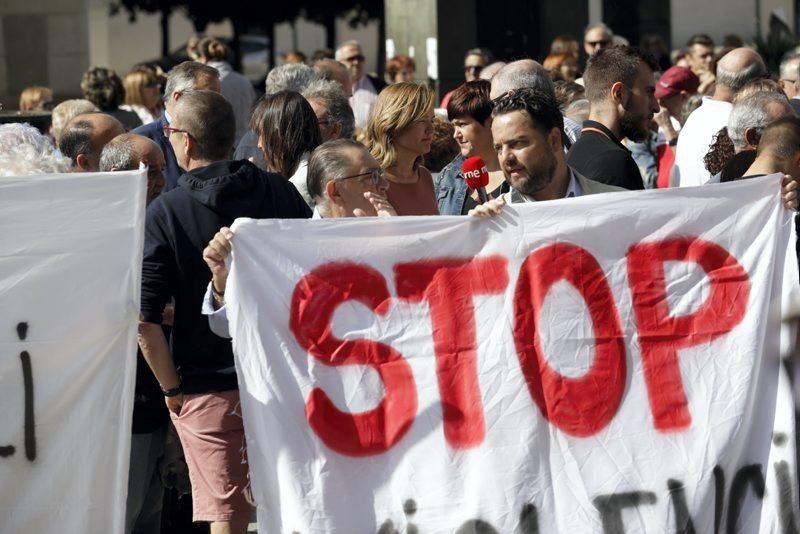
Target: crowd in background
329	140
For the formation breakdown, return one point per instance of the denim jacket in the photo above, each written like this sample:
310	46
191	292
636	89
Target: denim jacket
450	188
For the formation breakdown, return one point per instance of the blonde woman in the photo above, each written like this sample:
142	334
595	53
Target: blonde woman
143	93
398	134
36	98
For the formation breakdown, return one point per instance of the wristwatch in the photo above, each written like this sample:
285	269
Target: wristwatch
172	392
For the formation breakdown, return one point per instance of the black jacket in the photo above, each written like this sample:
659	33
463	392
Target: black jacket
178	226
600	156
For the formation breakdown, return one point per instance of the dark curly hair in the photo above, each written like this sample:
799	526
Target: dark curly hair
103	88
719	153
541	107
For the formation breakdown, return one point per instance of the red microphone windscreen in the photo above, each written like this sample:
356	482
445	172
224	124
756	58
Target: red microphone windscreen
475	173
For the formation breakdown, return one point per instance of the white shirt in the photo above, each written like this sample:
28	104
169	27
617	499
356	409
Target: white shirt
298	179
696	137
363	100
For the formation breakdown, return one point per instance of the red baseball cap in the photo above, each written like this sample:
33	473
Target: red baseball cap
676	79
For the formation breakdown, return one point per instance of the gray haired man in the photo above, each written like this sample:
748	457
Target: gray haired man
127	151
332	109
188	76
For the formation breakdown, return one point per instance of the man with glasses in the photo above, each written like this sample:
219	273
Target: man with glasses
187	76
365	87
197	377
344	179
790	79
597	37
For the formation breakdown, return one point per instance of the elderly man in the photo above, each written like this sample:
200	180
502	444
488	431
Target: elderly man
197	376
750	115
620	86
84	137
365	87
734	70
129	150
344	179
145	488
188	76
333	112
330	69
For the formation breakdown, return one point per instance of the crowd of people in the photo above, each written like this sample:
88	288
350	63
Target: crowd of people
329	140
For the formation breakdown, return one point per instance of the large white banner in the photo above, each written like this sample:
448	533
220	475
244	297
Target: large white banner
70	265
600	364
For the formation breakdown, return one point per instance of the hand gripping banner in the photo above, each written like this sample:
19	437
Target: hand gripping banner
605	364
70	265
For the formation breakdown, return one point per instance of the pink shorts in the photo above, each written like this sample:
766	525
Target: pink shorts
212	435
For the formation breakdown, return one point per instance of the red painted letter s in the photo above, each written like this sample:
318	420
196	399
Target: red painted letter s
314	301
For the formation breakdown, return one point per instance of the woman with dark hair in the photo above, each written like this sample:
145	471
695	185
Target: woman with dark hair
103	88
287	131
470	112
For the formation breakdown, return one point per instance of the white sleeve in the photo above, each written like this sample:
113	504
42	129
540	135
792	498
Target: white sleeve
217	319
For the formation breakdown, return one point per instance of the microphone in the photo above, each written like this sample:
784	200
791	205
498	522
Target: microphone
476	176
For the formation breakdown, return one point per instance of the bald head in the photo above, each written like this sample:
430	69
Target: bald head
738	67
330	69
127	151
85	136
525	73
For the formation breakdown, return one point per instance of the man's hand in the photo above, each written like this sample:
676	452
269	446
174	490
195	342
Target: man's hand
789	192
662	119
218	249
174	404
383	208
488	209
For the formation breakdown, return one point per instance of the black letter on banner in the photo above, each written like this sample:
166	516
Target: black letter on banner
387	528
528	520
719	496
27	377
476	526
683	521
410	508
611	506
750	475
784	480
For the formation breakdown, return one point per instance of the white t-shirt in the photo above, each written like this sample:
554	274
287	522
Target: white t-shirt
696	137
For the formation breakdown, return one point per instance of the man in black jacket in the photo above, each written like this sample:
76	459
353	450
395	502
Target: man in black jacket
621	89
198	379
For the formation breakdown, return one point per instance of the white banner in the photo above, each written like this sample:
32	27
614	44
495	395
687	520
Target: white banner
599	364
70	265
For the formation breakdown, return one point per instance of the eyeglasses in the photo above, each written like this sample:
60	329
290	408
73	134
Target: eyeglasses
604	42
167	131
473	68
355	59
375	175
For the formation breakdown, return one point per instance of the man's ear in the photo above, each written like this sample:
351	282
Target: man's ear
752	136
618	91
332	191
554	139
82	162
336	130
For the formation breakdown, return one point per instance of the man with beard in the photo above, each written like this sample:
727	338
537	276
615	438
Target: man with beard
621	88
527	131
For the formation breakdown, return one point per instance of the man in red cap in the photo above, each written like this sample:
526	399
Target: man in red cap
655	155
673	90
